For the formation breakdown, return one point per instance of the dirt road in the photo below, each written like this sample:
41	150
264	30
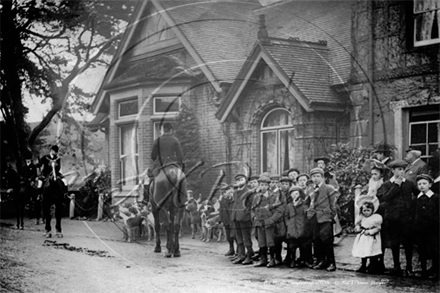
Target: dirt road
92	258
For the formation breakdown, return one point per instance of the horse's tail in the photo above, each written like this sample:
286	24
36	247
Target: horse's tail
179	180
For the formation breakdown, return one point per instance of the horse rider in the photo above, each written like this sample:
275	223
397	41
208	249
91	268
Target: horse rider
50	163
167	148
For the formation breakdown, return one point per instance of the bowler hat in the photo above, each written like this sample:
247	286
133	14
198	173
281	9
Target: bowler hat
382	148
398	163
424	176
325	159
316	170
55	148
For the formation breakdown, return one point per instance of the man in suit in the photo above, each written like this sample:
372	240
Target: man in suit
415	165
241	216
329	177
321	213
167	148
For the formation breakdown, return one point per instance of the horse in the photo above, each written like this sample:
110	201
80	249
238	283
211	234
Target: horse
168	198
54	190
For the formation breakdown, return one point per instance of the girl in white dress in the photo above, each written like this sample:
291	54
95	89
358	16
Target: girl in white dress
368	243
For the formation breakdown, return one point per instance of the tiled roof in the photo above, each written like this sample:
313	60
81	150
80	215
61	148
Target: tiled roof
221	32
313	21
307	66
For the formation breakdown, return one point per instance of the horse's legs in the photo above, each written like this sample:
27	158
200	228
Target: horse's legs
58	215
177	227
170	235
157	230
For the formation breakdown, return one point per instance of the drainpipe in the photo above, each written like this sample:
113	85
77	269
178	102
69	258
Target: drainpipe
371	75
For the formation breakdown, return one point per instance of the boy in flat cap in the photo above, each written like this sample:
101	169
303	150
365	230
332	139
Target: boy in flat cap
427	225
298	228
226	203
415	165
267	211
241	215
321	214
396	197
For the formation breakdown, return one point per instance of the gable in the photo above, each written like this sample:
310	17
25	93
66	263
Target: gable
152	32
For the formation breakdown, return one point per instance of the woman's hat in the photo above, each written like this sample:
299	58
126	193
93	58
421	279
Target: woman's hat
367	198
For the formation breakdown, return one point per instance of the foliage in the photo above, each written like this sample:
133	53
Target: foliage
347	163
87	197
187	132
47	45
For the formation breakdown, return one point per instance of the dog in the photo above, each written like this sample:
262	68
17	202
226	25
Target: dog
215	228
135	219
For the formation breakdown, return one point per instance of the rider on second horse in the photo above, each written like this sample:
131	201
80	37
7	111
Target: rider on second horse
53	189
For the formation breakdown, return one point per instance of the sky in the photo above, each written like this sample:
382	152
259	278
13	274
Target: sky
89	81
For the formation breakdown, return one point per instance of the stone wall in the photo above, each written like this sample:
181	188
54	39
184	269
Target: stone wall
400	72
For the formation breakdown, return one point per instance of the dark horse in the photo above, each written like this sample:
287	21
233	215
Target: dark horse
168	199
53	194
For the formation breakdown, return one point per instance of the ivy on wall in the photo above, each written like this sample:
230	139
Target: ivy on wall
187	132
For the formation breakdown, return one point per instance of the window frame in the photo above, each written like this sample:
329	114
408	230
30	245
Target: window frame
166	114
123	156
277	130
126	100
426	144
415	43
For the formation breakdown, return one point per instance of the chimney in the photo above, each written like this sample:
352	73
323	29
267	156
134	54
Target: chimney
263	35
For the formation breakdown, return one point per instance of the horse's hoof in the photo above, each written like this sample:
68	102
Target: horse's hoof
168	254
157	249
193	237
176	253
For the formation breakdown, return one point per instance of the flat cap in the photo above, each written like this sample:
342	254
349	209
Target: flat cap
286	179
398	163
317	170
424	176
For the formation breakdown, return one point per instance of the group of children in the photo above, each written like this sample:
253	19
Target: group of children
296	209
300	210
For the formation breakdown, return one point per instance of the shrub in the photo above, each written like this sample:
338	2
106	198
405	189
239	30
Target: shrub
347	164
87	197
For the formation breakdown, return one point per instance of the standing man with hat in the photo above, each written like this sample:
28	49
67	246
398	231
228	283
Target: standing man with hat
226	203
397	195
416	166
329	177
241	216
321	214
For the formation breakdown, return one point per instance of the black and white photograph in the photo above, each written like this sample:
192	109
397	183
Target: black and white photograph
220	146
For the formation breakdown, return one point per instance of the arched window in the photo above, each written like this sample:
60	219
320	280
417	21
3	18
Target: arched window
277	141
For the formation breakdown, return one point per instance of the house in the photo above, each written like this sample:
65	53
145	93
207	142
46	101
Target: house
271	83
